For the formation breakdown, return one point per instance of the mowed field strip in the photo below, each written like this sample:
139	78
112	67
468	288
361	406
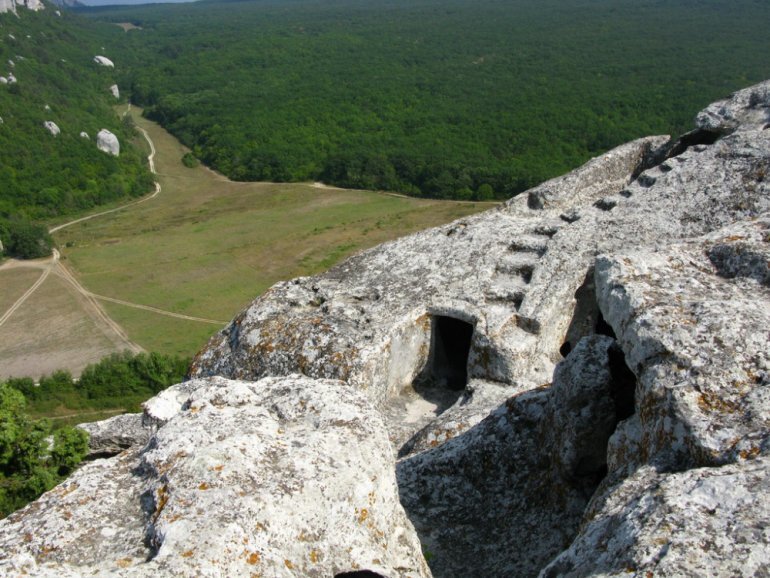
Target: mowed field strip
206	246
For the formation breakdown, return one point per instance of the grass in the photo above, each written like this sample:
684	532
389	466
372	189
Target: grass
207	246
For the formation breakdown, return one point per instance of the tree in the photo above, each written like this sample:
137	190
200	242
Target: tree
28	467
25	240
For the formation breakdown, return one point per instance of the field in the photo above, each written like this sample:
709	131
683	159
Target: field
205	247
52	330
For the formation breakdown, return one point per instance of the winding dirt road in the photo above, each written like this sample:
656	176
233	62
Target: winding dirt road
92	304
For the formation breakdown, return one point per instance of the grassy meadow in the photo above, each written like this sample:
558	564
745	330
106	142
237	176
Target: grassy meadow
206	246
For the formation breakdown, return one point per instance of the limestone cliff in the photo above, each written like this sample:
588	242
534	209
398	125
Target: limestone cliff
576	383
12	5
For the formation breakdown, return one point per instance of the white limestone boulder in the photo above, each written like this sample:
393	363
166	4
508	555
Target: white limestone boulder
693	320
52	127
702	522
104	61
108	142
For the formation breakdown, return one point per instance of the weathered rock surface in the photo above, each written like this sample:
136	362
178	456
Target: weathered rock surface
115	91
52	127
578	383
694	322
520	480
11	5
108	142
283	477
702	522
116	434
104	61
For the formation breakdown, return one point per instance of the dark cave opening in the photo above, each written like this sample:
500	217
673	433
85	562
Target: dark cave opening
587	319
623	389
699	136
450	346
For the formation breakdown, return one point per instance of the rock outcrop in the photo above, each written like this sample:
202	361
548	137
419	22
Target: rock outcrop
298	480
12	5
115	91
104	61
111	436
52	127
108	142
576	383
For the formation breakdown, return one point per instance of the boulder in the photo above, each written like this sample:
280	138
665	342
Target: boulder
693	321
52	127
84	134
283	477
111	436
104	61
115	91
108	142
702	522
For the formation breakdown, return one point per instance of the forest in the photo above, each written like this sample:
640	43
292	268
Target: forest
42	175
436	98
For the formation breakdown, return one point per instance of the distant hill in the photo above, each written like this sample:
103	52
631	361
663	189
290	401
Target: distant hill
52	94
439	98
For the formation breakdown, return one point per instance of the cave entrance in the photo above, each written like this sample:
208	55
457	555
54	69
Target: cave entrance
450	346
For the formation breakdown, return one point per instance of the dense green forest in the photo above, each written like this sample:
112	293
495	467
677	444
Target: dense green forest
42	175
443	98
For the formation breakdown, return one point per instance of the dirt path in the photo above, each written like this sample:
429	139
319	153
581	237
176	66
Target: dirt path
83	413
150	162
156	310
96	310
20	301
91	303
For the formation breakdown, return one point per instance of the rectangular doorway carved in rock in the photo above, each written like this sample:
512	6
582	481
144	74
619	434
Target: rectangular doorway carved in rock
450	346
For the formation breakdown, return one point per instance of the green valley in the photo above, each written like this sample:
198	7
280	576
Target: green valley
432	98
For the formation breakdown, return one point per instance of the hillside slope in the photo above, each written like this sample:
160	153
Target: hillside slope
52	84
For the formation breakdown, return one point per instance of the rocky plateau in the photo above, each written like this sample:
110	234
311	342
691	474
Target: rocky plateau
576	383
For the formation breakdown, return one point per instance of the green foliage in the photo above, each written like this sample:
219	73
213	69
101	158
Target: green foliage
28	467
189	160
69	447
25	240
29	463
431	97
121	380
44	175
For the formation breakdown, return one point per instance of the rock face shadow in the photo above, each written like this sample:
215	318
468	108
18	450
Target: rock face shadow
438	386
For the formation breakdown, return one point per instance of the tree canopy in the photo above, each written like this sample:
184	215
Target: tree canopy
56	80
440	98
